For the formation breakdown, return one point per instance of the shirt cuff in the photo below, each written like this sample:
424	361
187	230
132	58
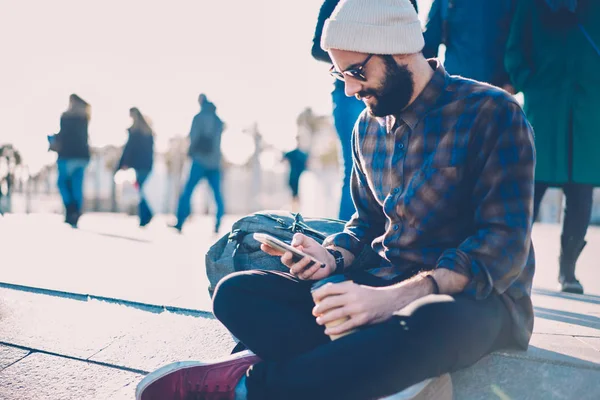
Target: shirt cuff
480	284
345	241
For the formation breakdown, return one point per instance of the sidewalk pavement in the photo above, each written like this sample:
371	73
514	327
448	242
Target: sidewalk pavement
69	346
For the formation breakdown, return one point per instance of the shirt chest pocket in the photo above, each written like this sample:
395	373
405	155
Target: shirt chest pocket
433	196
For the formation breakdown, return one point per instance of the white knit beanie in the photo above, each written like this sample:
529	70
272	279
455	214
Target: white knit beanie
374	27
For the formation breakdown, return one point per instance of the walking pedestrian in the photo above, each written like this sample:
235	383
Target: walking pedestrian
71	144
474	33
138	154
553	57
205	153
297	160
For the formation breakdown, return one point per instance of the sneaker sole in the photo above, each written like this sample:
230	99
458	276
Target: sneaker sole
178	366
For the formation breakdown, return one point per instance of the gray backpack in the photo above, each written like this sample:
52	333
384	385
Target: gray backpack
239	251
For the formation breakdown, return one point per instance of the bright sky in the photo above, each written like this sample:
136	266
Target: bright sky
252	58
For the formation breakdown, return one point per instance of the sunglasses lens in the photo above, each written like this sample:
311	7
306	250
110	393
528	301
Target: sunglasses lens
355	74
337	75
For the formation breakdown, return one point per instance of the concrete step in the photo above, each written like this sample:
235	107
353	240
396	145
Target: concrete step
538	374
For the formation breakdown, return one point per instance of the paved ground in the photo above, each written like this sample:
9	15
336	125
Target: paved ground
111	256
71	347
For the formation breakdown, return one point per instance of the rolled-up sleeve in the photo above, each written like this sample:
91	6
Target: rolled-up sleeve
496	254
368	221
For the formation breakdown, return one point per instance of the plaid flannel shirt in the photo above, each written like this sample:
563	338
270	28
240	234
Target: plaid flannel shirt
449	184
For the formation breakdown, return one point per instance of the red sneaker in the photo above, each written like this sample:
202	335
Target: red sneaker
196	380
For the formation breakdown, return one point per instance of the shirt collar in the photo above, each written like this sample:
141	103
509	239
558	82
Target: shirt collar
416	110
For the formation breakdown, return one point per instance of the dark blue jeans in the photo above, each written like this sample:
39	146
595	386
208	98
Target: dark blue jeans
70	180
197	172
144	210
345	113
271	313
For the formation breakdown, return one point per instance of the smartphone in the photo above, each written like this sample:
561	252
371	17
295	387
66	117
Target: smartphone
280	245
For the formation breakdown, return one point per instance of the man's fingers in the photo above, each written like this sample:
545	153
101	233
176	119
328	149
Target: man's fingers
298	239
299	267
332	315
310	271
329	304
332	289
287	259
349	325
269	250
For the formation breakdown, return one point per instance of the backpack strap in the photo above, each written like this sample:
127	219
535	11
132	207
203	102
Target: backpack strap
298	226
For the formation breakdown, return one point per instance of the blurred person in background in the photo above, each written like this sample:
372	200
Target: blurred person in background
1	197
553	57
205	152
297	160
138	154
346	110
474	33
71	144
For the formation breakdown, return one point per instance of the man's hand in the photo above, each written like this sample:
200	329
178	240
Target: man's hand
322	269
364	305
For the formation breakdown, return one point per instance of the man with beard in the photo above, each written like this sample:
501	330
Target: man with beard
443	186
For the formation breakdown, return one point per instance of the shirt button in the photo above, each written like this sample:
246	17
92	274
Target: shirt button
396	190
395	227
400	145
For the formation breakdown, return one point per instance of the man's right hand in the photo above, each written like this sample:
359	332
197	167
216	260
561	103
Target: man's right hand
311	247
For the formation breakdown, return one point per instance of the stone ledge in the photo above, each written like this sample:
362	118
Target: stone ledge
554	367
502	377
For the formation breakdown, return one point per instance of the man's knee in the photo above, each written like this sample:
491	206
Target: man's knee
229	292
429	309
454	314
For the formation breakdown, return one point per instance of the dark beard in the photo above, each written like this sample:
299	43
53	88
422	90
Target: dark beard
395	92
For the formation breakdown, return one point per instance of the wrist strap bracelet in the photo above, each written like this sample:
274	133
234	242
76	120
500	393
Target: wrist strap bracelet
436	288
339	260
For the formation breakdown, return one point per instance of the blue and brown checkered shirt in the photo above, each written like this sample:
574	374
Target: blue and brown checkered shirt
449	184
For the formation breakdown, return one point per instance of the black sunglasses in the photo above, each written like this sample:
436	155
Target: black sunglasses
356	72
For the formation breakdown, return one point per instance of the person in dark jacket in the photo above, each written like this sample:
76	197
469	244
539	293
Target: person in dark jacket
205	152
297	160
71	144
553	57
345	111
475	34
138	154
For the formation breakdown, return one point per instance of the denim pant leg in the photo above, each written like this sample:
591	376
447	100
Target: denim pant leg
270	312
144	210
214	180
346	111
77	178
184	208
64	182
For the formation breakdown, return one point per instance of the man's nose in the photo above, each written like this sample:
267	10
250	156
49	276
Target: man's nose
352	87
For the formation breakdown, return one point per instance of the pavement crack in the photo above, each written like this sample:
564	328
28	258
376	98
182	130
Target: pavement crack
51	353
586	343
14	362
105	347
